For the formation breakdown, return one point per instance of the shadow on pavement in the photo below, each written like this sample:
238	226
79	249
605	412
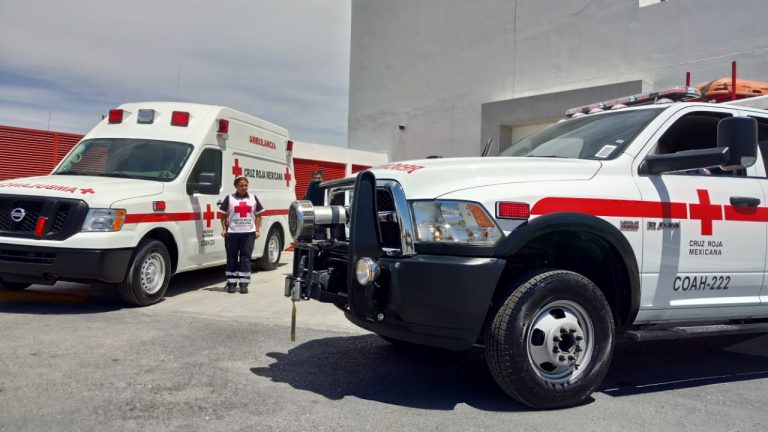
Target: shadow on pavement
648	367
79	298
368	368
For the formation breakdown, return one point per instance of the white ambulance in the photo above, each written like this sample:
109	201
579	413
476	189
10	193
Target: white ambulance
645	222
136	200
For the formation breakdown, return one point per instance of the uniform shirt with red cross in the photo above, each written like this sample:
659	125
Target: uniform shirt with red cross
241	212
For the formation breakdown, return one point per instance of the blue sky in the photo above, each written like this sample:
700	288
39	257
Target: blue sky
63	64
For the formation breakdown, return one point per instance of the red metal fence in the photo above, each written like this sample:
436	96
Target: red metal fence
31	152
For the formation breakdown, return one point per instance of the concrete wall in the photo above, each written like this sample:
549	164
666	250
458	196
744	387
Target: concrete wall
422	69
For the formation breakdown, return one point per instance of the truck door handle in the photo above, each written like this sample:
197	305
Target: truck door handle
745	201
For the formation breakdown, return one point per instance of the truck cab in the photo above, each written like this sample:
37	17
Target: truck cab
647	221
136	200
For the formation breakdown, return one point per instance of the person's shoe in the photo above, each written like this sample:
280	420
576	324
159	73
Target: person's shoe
243	289
231	288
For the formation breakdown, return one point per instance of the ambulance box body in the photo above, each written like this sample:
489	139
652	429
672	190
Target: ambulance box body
136	201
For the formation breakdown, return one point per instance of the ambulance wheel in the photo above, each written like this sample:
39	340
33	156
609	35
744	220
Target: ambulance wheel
549	344
13	286
273	248
148	274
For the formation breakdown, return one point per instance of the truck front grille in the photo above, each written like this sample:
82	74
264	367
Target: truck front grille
389	225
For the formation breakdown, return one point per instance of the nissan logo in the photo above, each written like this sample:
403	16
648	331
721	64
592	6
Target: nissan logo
18	214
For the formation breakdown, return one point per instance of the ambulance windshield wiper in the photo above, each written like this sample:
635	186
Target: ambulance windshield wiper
119	175
72	173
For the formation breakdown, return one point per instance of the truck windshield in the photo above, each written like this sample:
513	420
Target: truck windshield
602	136
128	158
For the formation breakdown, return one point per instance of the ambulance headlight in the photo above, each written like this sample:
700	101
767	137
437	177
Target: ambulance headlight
455	222
104	220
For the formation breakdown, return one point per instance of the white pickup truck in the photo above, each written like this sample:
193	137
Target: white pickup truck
647	221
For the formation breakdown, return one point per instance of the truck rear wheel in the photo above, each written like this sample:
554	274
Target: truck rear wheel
549	345
148	274
273	248
13	286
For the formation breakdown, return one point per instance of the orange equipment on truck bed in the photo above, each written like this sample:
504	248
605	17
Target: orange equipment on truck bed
720	90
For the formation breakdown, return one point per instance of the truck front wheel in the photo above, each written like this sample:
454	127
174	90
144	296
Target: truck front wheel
549	344
148	274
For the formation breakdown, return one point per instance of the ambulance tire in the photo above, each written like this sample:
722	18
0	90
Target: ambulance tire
273	248
550	342
148	274
13	286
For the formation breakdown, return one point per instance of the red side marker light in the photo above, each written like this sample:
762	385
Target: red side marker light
223	126
158	205
40	226
513	210
180	118
289	146
115	116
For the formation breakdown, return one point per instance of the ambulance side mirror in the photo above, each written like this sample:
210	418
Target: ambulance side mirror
736	149
739	136
206	184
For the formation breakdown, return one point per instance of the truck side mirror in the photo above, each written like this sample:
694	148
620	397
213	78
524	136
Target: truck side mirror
206	184
739	136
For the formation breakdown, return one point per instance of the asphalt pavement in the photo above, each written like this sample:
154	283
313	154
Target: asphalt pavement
73	358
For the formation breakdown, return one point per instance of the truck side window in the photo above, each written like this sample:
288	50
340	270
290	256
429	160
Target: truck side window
208	162
762	139
695	131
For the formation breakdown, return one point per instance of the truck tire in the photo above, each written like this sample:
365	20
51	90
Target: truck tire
273	248
148	274
550	342
13	286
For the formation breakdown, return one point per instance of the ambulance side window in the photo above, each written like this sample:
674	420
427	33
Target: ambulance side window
762	139
208	162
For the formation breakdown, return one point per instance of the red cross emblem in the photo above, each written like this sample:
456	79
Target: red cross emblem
243	209
237	170
705	212
86	191
208	215
287	177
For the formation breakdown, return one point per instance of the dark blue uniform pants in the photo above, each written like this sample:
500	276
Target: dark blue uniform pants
239	250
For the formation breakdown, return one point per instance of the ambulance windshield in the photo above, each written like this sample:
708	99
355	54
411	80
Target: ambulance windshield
601	136
127	158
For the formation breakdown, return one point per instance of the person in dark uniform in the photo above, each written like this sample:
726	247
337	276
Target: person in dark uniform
240	226
314	193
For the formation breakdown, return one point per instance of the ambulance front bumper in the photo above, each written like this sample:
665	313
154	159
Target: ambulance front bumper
45	265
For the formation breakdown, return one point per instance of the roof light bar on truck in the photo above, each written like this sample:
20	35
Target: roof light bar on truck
672	93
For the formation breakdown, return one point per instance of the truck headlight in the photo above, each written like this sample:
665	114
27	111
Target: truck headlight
104	220
454	222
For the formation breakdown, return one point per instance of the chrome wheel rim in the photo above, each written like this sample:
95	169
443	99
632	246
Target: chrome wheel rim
152	273
273	248
560	341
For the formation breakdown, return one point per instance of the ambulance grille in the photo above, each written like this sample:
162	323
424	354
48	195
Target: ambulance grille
32	210
65	216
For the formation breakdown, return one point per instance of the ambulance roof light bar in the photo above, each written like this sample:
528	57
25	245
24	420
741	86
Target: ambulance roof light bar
679	93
